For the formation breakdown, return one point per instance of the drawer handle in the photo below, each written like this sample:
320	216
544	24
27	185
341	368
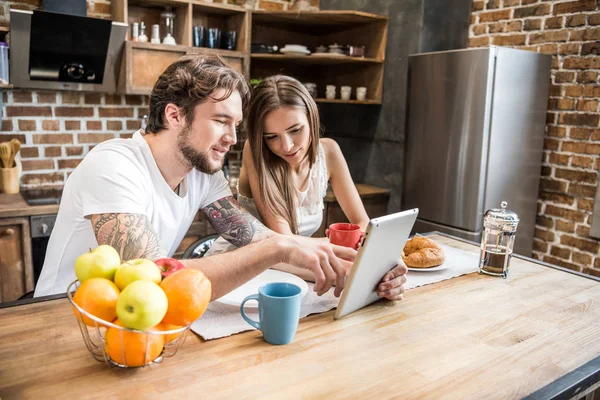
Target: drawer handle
9	232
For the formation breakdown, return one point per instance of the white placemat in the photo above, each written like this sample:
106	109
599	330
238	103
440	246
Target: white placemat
458	263
221	320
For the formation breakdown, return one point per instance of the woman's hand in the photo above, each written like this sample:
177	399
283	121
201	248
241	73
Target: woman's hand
392	285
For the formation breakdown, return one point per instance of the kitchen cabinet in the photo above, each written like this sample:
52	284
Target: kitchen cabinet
323	28
144	62
16	269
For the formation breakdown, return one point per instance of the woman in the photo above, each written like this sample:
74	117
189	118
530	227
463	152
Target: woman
286	167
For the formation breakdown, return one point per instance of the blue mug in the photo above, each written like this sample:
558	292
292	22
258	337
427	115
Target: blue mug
278	311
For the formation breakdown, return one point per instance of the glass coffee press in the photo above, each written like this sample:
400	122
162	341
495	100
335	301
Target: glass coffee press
498	239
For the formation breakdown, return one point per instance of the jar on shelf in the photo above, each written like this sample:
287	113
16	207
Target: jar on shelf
167	21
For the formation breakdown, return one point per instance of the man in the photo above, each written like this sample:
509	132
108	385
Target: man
140	195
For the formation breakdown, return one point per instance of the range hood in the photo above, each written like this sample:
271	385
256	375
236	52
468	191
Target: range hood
65	52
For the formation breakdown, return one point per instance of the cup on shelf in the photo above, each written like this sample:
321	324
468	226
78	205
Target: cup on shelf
228	40
330	92
361	93
199	36
346	91
213	40
312	88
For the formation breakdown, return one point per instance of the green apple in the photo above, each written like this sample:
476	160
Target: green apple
139	269
102	262
142	305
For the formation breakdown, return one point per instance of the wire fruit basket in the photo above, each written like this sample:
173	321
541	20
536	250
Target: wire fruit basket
95	338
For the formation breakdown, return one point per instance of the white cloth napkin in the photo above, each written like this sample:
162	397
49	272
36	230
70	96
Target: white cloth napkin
457	263
221	320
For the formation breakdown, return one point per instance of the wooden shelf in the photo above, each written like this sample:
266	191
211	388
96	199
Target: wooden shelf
4	28
223	9
158	3
186	49
6	86
315	59
320	18
340	101
162	47
144	62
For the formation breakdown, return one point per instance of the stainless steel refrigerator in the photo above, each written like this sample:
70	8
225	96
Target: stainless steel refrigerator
476	122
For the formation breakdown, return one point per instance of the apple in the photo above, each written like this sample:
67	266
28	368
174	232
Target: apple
102	262
136	270
168	266
142	305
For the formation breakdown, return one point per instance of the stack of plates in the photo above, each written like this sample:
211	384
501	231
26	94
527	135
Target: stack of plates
295	49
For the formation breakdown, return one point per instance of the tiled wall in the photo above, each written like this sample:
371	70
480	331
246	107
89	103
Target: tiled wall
570	32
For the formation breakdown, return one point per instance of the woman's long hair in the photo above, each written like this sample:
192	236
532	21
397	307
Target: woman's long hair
275	184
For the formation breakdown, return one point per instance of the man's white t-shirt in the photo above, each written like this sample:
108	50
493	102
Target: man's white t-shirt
121	176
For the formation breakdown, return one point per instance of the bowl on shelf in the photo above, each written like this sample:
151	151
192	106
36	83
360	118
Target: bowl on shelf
261	48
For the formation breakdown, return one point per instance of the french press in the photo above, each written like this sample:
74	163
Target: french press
500	227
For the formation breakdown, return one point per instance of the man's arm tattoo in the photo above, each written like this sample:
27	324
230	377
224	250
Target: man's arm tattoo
234	223
131	235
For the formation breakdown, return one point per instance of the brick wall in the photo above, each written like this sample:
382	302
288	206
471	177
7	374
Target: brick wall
570	32
58	128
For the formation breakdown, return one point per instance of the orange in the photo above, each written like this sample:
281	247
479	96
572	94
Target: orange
98	296
188	292
133	346
172	336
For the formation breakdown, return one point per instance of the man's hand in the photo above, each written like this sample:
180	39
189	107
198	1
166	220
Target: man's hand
392	285
322	258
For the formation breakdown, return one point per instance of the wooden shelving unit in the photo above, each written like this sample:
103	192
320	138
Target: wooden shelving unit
315	59
144	62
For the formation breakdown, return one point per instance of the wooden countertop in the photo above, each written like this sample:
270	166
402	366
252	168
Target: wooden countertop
364	191
474	336
14	205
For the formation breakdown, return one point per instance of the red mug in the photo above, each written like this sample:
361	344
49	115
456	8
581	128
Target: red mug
344	234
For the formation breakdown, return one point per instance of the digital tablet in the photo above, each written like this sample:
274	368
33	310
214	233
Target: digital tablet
379	252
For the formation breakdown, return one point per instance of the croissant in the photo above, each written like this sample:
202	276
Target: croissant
420	252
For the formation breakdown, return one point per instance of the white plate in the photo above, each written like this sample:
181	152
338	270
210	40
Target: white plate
295	52
438	268
236	297
295	47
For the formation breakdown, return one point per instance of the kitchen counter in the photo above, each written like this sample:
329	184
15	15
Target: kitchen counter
534	334
14	205
364	191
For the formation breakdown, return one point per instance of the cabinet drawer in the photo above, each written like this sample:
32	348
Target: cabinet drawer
16	271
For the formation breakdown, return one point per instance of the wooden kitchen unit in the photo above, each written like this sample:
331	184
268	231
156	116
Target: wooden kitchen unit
143	63
16	267
475	336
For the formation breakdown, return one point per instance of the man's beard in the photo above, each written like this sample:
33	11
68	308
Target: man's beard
198	160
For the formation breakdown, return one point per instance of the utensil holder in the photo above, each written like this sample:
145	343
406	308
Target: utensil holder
10	178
